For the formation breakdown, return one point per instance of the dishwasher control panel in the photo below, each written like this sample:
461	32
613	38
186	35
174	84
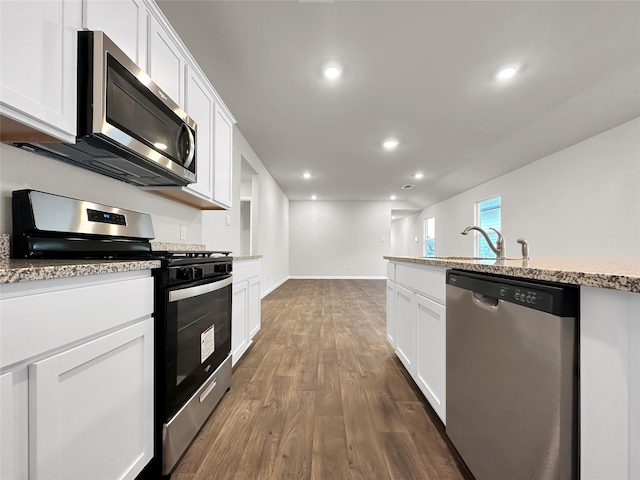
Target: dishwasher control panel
543	296
525	296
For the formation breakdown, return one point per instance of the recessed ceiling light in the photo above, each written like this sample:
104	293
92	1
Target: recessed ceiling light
314	197
306	175
506	73
390	143
418	176
392	197
332	72
393	217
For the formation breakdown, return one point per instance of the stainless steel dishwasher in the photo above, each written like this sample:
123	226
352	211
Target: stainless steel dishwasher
512	376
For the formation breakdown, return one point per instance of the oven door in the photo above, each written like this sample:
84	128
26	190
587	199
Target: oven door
198	336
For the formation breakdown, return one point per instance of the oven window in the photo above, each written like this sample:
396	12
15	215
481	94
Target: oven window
203	330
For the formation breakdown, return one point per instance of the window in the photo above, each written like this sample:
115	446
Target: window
487	216
429	237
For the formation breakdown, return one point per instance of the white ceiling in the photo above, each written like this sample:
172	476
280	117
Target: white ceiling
422	72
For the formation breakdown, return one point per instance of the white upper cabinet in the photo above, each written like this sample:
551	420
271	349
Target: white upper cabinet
201	107
223	158
38	62
123	21
166	62
172	67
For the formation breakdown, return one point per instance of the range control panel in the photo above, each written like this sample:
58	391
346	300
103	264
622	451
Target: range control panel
106	217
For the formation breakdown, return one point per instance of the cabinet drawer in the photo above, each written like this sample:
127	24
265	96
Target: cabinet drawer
428	281
39	322
245	269
391	271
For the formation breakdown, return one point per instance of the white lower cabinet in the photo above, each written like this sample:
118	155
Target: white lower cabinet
391	313
239	321
431	361
79	402
416	328
609	384
245	318
406	328
88	408
253	311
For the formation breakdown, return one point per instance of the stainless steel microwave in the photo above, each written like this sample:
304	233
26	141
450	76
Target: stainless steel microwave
128	128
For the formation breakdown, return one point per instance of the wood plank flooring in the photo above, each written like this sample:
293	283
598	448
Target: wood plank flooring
320	396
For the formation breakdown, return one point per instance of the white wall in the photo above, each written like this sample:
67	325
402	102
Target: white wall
403	236
273	214
326	238
20	169
583	201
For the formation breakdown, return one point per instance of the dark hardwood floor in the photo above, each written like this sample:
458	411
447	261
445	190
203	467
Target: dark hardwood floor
321	395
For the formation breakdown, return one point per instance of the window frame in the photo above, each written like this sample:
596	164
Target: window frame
477	218
429	235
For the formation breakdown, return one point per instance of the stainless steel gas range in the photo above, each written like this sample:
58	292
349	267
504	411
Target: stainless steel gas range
193	291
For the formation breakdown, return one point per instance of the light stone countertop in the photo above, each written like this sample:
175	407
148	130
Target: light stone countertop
617	273
178	247
24	270
237	258
17	270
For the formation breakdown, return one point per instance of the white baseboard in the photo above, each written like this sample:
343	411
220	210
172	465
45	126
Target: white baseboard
268	291
331	277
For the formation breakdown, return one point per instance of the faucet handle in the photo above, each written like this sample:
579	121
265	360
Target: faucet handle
500	237
525	248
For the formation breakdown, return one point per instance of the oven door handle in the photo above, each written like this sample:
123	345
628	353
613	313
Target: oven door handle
176	295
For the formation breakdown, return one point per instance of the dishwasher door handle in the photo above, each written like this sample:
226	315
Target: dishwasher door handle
485	301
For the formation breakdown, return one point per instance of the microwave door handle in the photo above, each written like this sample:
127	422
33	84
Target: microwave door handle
183	294
192	146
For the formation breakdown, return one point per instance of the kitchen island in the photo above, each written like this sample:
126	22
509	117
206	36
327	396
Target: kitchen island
609	343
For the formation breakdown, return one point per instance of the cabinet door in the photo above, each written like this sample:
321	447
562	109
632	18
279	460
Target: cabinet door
406	341
38	61
6	426
239	320
14	425
391	313
431	354
200	106
91	408
124	22
254	307
166	62
223	161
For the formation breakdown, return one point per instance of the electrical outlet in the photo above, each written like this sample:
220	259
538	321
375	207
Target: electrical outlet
349	268
183	232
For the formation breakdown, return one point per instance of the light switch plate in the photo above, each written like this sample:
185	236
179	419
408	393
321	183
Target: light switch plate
228	219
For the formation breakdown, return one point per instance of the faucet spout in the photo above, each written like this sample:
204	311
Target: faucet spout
499	248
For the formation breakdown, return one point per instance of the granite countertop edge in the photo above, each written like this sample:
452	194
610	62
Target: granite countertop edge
599	274
13	271
245	257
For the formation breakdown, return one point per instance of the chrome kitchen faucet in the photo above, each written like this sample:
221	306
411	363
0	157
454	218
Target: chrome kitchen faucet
499	249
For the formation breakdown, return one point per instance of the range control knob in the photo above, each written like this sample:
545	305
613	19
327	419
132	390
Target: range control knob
184	273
